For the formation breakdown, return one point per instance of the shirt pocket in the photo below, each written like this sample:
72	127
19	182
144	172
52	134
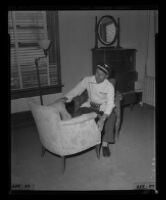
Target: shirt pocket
103	94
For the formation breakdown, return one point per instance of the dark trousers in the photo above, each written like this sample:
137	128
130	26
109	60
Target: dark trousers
108	133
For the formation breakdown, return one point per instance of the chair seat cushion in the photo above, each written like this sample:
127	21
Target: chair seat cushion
79	119
61	109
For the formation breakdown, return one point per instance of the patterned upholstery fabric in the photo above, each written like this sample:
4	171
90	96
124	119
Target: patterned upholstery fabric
67	136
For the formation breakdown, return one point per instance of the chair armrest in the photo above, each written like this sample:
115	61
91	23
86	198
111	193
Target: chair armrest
118	98
79	119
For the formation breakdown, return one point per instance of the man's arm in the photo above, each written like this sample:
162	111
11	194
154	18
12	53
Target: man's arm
77	90
101	121
109	107
110	101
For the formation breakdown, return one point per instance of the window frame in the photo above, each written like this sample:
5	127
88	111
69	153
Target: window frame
44	90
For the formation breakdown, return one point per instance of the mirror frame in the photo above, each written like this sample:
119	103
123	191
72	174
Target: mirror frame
98	28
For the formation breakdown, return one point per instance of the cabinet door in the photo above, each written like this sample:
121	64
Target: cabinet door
128	58
114	59
125	86
121	61
97	57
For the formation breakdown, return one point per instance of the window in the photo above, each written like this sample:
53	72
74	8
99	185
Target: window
26	29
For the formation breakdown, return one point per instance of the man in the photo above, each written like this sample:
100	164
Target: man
101	100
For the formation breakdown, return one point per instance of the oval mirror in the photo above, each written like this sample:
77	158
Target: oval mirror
107	30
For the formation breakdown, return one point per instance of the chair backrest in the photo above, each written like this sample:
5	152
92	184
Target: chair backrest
68	136
47	120
61	109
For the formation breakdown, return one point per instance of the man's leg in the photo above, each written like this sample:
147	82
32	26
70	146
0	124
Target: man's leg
83	110
108	134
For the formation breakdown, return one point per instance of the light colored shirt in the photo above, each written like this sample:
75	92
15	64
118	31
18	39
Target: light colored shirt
100	93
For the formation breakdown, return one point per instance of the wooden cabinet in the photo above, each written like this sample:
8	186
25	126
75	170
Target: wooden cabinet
123	63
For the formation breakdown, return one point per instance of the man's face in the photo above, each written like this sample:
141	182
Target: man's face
100	76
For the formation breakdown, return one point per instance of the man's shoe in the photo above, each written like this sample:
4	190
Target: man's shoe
106	151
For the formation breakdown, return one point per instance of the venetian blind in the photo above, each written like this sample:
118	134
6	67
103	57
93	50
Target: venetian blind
26	28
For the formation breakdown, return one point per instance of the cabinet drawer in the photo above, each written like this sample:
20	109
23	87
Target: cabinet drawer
115	55
130	75
120	67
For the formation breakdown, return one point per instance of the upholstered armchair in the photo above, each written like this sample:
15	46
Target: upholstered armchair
78	100
62	135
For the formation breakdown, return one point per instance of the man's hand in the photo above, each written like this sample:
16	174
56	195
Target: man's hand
100	125
101	121
63	100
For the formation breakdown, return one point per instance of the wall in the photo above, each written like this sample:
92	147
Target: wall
19	105
77	38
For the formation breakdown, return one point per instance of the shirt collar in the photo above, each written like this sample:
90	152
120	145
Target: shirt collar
93	80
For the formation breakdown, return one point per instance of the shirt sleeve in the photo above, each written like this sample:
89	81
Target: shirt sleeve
110	100
77	90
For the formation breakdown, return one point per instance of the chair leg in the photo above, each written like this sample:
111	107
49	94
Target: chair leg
43	151
63	163
98	151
